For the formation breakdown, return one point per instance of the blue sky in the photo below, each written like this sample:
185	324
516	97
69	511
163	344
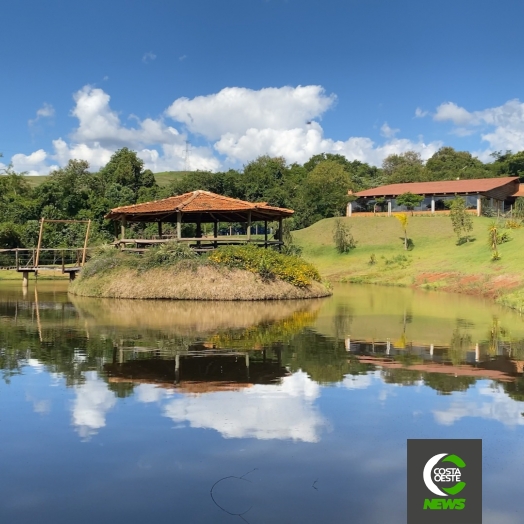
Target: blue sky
240	78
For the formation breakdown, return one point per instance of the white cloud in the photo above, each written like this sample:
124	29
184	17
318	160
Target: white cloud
503	125
93	401
419	113
148	57
451	111
236	110
240	124
279	411
182	58
33	164
149	393
46	111
388	132
497	406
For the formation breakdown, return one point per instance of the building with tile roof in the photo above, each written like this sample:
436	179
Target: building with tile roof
496	190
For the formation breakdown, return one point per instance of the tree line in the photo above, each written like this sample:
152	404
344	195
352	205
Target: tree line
316	189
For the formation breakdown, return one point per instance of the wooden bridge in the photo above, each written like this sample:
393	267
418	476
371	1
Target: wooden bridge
33	260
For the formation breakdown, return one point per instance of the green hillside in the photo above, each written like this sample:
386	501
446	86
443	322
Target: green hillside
435	262
163	179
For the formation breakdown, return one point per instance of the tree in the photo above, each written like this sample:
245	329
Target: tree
493	240
404	168
126	169
403	219
325	192
344	241
460	219
448	164
410	201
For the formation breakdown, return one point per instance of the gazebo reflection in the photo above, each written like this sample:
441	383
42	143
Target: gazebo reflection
202	369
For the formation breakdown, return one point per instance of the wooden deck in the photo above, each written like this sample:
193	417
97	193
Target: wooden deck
199	244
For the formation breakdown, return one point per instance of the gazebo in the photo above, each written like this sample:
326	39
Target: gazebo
199	207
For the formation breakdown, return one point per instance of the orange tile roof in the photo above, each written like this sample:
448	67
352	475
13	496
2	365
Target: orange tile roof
520	192
477	185
196	202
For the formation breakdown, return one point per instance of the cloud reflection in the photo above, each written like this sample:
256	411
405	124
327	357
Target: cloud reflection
93	401
498	406
279	411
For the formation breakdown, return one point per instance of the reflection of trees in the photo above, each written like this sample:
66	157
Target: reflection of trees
514	389
342	321
403	376
446	384
460	343
324	359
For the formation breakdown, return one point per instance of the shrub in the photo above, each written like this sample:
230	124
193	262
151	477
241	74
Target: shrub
266	263
344	241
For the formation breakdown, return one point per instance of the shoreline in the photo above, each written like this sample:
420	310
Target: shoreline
201	284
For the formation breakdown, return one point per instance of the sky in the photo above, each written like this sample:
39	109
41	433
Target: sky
213	84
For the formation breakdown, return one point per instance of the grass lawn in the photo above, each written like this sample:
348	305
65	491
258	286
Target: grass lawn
435	262
163	179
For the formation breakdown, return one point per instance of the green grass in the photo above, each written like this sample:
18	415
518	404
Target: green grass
168	177
435	262
163	179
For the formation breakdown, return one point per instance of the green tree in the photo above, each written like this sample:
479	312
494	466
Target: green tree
404	168
126	169
324	193
448	164
410	201
460	219
342	236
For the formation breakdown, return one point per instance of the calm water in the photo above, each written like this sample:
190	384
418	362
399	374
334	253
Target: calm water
123	411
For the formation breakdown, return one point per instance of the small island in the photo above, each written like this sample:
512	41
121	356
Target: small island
175	271
198	267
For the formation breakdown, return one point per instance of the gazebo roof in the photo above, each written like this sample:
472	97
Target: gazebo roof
199	205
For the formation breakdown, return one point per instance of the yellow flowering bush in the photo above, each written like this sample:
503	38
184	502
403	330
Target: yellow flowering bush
267	263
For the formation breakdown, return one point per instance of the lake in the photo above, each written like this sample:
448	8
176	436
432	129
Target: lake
287	412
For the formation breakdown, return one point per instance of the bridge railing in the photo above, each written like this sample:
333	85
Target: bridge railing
55	259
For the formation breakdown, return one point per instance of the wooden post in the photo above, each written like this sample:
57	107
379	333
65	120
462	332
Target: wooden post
123	222
16	259
265	234
25	279
39	242
433	204
160	230
249	225
179	225
199	231
85	243
389	208
280	235
215	234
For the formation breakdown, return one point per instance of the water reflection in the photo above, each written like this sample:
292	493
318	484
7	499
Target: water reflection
153	402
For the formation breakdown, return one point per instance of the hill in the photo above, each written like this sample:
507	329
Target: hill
163	179
435	262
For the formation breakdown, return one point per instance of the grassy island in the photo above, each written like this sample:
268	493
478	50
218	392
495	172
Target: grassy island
174	271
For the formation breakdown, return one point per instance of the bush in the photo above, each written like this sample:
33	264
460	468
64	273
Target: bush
266	263
344	241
